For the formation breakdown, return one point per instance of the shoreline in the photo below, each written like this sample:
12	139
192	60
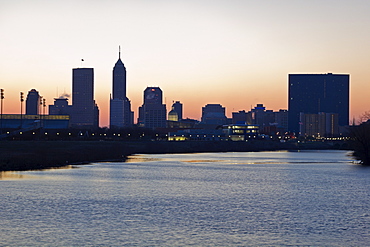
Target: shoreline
37	155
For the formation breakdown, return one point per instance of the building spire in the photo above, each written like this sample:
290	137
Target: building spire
119	52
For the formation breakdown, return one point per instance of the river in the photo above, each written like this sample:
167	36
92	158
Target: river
316	198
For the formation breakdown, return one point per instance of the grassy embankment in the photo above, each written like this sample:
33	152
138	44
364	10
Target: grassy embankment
31	155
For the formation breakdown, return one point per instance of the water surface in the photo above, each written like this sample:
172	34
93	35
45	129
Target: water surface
209	199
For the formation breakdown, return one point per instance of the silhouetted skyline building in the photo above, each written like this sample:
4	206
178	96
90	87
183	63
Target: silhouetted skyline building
241	117
60	107
120	106
281	119
214	114
152	114
177	106
315	93
262	117
119	79
268	121
85	113
32	102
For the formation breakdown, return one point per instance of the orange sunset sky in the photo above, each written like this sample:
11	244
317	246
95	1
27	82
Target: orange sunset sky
237	53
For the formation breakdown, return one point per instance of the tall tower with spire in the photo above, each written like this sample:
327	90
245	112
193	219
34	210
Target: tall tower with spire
120	106
119	78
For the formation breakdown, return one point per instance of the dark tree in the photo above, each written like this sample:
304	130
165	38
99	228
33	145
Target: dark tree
360	142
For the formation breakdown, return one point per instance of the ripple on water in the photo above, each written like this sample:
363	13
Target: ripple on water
192	199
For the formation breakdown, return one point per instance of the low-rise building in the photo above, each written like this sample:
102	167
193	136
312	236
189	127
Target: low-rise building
240	132
18	121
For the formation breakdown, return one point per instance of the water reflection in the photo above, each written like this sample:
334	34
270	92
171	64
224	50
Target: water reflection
12	175
250	158
220	199
141	158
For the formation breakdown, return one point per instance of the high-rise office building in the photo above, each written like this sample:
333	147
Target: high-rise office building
32	102
152	114
315	93
120	106
85	113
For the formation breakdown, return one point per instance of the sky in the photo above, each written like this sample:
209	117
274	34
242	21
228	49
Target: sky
237	53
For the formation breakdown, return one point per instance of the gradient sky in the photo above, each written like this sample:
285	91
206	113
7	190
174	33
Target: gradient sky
237	53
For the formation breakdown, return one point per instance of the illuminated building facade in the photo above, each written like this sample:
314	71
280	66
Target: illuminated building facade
173	116
240	132
30	122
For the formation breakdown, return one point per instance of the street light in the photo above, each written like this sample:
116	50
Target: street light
22	99
44	105
40	111
1	98
44	109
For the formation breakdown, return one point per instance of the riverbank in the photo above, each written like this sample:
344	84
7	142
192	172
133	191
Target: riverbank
33	155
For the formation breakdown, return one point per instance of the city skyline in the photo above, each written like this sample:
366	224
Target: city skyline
237	54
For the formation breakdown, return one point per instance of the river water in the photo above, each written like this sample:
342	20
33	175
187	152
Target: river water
208	199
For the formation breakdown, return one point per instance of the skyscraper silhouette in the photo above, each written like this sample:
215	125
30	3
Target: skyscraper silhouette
32	102
315	93
85	113
120	106
119	79
177	106
152	114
